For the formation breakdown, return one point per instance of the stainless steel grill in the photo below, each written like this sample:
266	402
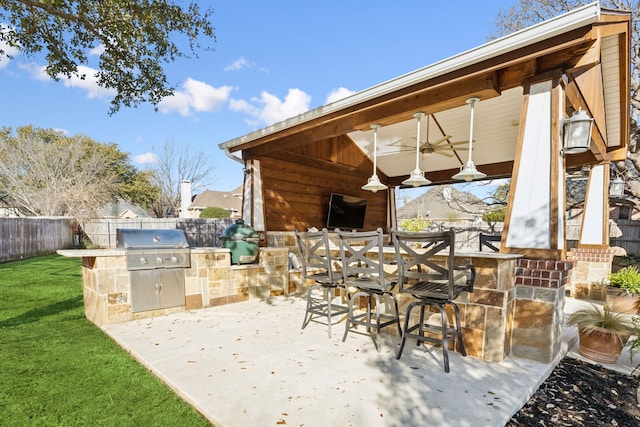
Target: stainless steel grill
156	260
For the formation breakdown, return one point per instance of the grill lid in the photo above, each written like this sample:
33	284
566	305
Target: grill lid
139	238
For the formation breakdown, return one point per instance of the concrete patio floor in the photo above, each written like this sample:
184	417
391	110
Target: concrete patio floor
250	364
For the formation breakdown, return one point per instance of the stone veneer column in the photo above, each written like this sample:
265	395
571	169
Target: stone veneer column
486	313
538	313
591	265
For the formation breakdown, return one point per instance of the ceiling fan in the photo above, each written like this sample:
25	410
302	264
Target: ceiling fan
442	145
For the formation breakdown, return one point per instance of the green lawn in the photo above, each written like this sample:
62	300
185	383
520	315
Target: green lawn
59	369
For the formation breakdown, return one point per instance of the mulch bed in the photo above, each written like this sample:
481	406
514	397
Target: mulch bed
582	394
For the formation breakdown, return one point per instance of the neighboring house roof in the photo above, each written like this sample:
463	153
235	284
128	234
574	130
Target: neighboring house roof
436	203
229	200
121	209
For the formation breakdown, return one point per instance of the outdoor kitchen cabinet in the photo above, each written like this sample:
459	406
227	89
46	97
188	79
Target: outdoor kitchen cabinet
157	289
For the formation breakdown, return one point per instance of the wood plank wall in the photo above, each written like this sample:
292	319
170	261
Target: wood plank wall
297	185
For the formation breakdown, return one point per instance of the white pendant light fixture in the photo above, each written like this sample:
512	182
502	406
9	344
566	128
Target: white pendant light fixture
468	171
417	179
374	184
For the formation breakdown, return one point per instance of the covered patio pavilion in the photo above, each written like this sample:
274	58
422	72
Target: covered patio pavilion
512	97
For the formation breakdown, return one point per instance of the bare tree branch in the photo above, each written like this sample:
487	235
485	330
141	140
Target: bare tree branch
174	165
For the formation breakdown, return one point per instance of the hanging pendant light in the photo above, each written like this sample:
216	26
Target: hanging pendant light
417	179
468	171
374	184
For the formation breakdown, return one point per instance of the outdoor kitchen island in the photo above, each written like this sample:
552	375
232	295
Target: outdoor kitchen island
209	280
516	307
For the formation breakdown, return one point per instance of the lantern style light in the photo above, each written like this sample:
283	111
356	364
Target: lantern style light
577	133
616	186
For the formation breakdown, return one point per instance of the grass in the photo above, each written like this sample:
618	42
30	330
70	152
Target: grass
59	369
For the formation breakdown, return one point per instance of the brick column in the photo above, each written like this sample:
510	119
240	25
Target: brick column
538	312
592	266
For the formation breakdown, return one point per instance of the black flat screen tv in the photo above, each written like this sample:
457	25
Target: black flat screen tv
346	212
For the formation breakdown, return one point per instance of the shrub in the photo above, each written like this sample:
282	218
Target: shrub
593	317
414	225
495	216
214	213
627	278
634	343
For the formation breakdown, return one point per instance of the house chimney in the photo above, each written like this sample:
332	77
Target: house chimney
185	198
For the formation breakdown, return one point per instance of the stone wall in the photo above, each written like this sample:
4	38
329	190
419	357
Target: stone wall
211	280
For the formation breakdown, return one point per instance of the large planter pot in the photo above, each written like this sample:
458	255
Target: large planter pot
621	301
601	345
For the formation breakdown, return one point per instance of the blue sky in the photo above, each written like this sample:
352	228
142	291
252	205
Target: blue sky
271	61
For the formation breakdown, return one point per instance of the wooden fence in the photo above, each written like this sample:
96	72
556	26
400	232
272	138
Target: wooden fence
28	237
200	232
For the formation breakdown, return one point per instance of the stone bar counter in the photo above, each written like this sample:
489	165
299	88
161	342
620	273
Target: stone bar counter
211	280
516	307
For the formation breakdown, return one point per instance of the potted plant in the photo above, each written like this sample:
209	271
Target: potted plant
623	294
634	343
602	332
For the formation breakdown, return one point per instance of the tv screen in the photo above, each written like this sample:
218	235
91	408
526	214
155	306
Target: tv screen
346	212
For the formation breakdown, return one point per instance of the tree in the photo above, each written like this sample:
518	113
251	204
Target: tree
213	212
44	172
131	184
173	166
529	12
136	38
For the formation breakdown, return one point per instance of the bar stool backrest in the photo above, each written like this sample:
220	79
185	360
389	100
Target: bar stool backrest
315	254
362	255
423	274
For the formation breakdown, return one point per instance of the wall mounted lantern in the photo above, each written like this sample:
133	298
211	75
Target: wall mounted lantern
373	183
616	186
576	132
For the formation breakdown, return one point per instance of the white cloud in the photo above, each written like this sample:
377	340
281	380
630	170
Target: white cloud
10	51
243	106
98	50
338	94
35	71
196	96
89	84
239	64
269	109
145	158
